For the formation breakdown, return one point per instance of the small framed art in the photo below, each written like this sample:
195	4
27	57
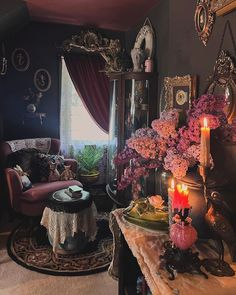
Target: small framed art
42	80
178	92
204	19
20	59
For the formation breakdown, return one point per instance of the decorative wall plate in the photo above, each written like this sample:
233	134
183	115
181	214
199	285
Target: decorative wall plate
204	19
20	59
42	80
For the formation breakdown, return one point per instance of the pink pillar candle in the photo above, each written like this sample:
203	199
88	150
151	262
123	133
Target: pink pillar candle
180	199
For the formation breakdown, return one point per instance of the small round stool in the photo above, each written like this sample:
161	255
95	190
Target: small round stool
70	223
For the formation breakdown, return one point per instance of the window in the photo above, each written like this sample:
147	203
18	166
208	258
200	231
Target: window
77	127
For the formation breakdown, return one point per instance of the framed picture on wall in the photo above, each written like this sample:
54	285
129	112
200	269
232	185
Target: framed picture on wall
204	19
42	80
178	92
20	59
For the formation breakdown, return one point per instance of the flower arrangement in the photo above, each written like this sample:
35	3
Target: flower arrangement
169	145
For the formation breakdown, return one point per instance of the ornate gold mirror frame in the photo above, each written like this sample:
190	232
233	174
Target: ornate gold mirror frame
91	41
205	13
223	82
221	7
204	19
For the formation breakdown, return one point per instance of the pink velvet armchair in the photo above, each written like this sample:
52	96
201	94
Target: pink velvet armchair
32	201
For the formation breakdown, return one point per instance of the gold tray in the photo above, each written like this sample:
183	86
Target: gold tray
148	224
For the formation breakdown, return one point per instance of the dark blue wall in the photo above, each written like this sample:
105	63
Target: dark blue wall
42	42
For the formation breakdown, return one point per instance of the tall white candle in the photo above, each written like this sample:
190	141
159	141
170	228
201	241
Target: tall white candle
205	145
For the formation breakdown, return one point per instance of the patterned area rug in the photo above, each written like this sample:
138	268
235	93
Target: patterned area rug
31	249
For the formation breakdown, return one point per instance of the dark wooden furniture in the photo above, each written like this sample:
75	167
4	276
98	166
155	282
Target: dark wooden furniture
133	105
138	253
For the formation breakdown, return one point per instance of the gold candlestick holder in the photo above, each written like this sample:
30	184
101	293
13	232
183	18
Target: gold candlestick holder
204	172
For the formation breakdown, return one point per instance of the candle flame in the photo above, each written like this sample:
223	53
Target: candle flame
205	123
184	187
172	184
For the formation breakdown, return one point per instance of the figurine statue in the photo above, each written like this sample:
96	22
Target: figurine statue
221	230
138	56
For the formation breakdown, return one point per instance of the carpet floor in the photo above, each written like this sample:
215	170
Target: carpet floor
17	280
30	248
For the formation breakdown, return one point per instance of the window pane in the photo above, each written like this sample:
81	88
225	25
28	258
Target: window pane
82	126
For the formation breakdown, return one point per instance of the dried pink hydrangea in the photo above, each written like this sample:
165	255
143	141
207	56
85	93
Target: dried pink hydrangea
145	146
176	163
164	128
174	149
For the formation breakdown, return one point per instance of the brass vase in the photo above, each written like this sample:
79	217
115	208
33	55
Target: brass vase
196	197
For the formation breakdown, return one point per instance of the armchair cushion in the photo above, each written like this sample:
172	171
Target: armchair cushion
41	191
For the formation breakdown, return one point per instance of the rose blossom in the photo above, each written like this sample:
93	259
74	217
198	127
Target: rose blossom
156	201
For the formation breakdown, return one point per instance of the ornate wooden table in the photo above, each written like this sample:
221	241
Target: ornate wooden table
138	253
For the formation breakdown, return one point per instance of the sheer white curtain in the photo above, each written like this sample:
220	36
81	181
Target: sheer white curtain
77	127
67	94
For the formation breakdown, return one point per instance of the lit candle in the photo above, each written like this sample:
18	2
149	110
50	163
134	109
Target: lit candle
180	199
171	191
205	145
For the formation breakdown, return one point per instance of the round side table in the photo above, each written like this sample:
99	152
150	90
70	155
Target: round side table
70	223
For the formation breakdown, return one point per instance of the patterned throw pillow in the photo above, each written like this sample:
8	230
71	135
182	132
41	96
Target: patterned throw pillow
43	165
25	158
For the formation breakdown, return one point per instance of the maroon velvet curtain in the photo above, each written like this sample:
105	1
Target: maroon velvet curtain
92	85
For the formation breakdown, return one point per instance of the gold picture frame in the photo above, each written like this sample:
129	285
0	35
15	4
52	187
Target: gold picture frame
178	92
204	19
221	7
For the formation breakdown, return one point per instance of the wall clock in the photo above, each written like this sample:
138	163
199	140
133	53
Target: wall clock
42	80
20	59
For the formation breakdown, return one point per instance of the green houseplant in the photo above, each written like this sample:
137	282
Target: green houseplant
89	158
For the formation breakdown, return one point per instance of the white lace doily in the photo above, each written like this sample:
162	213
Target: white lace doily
41	144
61	225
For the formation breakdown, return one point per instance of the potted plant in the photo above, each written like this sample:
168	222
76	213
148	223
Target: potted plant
89	158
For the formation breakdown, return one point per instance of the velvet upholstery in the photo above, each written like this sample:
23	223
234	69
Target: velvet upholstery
32	201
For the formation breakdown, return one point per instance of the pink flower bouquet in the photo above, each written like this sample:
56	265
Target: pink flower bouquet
173	147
